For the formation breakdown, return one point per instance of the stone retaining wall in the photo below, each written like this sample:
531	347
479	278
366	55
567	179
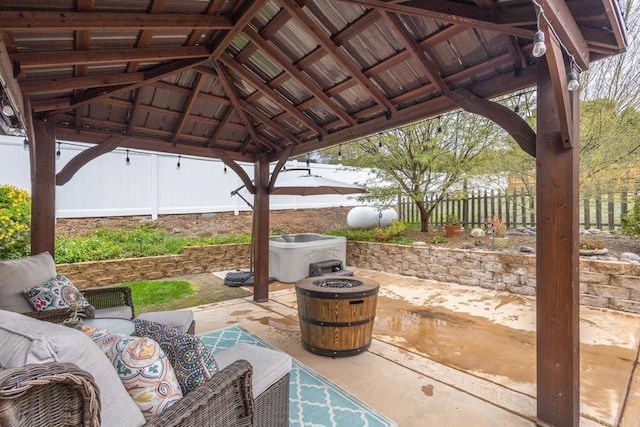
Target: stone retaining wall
194	260
605	284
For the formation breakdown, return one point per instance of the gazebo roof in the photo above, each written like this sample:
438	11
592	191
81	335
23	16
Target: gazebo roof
241	80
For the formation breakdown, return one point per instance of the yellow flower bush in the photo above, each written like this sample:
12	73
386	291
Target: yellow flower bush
15	222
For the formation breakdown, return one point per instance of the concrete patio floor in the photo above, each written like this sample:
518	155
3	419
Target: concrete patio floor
445	354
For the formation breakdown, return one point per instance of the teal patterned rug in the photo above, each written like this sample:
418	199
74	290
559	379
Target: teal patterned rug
313	399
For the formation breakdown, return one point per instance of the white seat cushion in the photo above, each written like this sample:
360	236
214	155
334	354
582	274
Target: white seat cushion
120	312
268	365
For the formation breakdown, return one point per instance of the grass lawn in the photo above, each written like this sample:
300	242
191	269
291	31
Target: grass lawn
180	292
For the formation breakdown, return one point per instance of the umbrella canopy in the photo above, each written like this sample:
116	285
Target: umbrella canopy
303	183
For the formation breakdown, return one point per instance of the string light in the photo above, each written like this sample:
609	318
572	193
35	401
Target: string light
127	160
178	164
225	169
58	153
340	152
25	144
379	140
539	48
517	107
573	81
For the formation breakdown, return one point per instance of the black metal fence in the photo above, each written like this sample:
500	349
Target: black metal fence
518	209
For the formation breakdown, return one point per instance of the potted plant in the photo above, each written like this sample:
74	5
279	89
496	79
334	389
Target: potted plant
76	310
499	233
452	226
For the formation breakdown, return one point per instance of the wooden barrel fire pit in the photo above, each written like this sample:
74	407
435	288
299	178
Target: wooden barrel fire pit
336	314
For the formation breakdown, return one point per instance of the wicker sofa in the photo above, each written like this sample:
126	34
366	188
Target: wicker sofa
52	375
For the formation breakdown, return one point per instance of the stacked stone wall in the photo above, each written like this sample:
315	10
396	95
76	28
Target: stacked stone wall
605	284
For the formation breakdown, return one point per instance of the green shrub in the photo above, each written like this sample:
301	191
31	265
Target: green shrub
141	241
631	221
15	222
438	239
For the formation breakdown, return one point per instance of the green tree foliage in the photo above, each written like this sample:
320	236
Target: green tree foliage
424	158
15	222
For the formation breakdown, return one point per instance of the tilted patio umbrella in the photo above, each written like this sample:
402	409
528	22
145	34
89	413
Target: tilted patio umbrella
301	182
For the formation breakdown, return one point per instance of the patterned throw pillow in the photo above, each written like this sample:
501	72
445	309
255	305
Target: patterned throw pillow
191	359
56	293
143	367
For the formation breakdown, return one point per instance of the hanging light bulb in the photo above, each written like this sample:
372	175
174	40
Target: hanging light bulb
574	81
7	109
127	160
340	152
225	169
58	153
25	144
178	164
307	160
539	48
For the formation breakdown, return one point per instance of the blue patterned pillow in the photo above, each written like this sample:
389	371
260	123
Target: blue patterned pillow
192	361
56	293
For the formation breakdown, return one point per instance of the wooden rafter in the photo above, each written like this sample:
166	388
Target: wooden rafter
106	56
566	28
226	83
186	109
225	120
263	88
47	21
32	87
558	72
160	72
457	13
146	35
269	122
299	76
338	55
220	45
427	64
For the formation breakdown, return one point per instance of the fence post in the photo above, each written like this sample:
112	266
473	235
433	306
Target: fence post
599	212
611	211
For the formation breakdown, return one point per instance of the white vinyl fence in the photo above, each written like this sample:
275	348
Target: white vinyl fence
152	184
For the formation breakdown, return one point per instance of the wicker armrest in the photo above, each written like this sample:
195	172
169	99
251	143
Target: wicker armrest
57	315
59	394
223	400
109	297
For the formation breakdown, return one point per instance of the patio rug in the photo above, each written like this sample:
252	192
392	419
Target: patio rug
313	399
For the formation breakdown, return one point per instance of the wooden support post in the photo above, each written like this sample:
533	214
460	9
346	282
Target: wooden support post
43	188
261	232
557	320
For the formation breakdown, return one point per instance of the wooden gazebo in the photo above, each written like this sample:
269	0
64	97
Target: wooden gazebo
260	81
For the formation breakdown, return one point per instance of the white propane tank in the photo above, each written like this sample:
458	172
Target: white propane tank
363	217
387	216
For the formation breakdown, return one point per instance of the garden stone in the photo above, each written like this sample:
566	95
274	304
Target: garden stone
630	256
419	243
478	232
527	249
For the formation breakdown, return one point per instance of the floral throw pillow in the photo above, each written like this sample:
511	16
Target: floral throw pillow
192	361
143	368
56	293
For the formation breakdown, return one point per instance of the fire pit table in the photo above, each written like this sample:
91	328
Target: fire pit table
336	314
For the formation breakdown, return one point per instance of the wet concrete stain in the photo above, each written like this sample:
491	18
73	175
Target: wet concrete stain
489	349
428	390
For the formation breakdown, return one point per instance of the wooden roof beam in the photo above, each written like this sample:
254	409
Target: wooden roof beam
186	110
107	56
497	20
298	75
223	123
427	64
65	104
146	36
558	72
336	52
256	82
35	21
32	87
228	87
565	27
269	122
221	44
